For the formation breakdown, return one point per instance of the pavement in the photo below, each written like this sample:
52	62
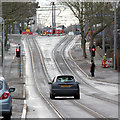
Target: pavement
15	77
108	75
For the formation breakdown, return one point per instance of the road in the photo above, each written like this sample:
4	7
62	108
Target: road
47	57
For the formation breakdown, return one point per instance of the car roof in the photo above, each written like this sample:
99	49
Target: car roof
64	75
2	78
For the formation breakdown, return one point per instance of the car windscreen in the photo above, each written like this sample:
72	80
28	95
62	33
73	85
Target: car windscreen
65	79
1	85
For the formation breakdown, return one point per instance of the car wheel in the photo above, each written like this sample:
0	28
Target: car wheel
52	96
7	117
77	96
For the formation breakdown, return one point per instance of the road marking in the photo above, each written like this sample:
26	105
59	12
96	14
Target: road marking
24	112
33	67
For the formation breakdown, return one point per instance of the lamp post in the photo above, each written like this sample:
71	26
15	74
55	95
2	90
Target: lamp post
103	34
53	16
115	31
3	40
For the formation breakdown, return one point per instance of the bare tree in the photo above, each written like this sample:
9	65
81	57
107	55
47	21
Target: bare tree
17	11
78	10
89	15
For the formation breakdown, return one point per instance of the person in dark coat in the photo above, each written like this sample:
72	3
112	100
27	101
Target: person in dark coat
92	68
20	31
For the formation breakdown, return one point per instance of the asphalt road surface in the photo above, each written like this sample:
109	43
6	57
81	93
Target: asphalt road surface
47	57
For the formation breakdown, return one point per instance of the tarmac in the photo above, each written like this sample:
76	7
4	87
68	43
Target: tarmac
14	75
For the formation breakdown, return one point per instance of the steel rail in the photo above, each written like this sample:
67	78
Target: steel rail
40	91
72	71
60	70
95	96
72	59
74	102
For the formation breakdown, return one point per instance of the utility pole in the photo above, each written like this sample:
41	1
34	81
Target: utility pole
53	16
118	37
103	34
3	43
115	31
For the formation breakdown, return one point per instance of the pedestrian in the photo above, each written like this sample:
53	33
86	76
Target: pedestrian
104	57
20	31
92	68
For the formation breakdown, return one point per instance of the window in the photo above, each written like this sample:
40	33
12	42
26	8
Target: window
65	79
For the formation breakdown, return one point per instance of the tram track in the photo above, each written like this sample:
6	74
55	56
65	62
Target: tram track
74	102
78	77
90	111
87	109
39	89
80	69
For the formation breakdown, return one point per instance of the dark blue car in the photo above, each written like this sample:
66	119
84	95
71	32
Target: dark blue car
64	85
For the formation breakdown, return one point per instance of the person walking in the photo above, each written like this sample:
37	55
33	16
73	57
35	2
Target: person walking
92	68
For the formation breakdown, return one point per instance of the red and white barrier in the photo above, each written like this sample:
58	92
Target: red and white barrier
107	63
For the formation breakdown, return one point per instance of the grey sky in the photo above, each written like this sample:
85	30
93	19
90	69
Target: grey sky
46	2
63	16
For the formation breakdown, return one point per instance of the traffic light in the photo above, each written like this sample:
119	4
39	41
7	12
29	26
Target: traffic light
18	51
93	51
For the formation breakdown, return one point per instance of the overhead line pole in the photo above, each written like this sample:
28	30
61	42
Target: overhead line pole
53	16
3	49
115	31
103	35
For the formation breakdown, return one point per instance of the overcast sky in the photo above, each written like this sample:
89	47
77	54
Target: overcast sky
63	16
46	2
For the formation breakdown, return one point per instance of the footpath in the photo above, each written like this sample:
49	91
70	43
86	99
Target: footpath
108	75
12	75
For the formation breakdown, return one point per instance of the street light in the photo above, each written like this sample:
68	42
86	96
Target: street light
103	34
115	31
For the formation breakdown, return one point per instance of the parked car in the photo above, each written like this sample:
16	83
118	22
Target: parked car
71	33
64	85
5	99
